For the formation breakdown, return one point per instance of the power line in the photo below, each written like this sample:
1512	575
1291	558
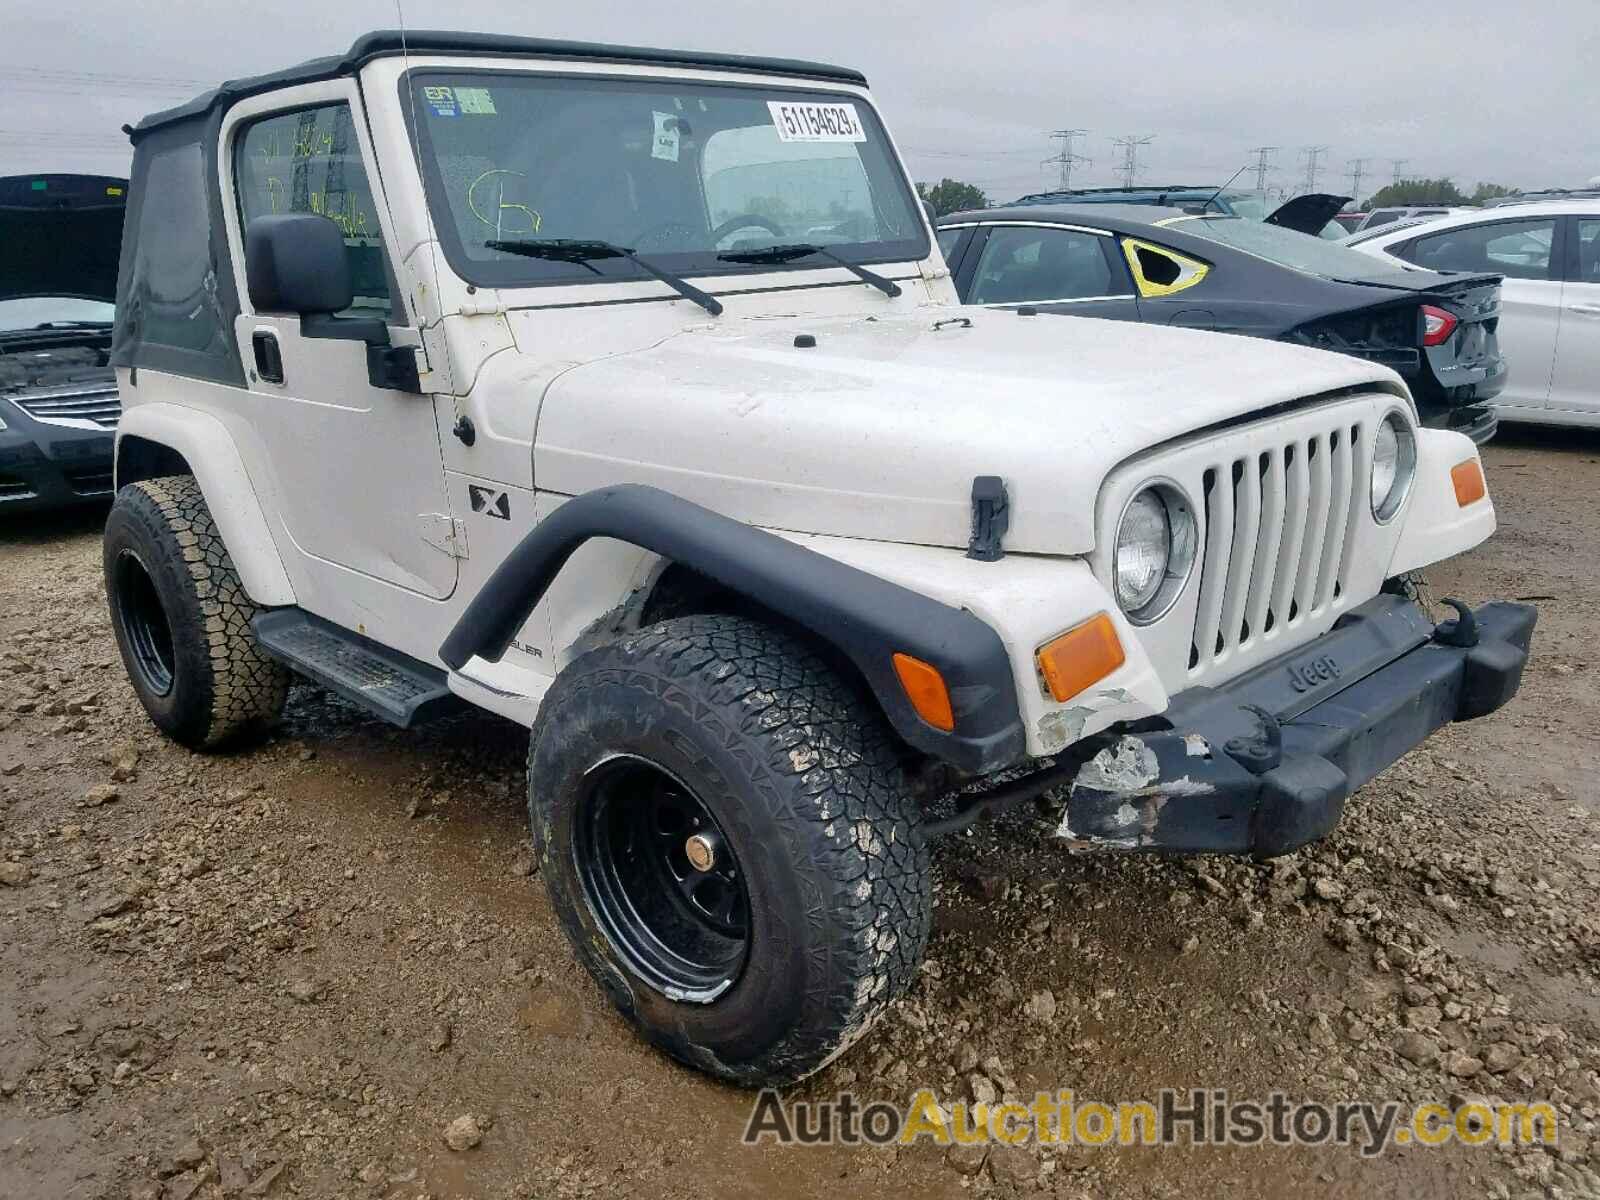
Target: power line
58	79
1263	165
1129	145
1313	156
1066	159
1358	168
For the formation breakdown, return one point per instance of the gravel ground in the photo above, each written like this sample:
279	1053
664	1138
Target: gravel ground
323	967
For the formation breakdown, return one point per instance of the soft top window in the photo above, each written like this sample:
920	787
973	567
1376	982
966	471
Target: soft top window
680	172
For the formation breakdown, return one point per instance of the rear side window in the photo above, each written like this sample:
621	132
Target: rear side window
172	265
1589	250
309	161
1021	265
1516	249
1382	217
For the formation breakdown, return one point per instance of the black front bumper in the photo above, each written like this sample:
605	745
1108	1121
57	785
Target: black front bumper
1264	764
51	466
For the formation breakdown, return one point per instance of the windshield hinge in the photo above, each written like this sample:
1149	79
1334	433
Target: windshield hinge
444	533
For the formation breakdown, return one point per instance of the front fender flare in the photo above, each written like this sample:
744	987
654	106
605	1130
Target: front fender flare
865	617
208	449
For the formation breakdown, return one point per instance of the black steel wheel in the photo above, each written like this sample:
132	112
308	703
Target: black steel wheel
145	622
661	878
182	618
729	843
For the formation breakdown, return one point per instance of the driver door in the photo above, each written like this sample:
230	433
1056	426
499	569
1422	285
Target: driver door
355	467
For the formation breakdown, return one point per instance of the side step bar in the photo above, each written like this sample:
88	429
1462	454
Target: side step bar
388	684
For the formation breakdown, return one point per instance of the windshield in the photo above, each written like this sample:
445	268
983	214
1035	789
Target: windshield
1299	252
1252	206
34	311
679	172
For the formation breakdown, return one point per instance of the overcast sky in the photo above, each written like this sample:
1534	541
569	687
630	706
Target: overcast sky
1473	89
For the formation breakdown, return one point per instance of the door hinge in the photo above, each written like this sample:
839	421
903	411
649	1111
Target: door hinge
444	533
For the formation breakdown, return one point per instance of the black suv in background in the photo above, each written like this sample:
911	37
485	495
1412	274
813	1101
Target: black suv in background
60	239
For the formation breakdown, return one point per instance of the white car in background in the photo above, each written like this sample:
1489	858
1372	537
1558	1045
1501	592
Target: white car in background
1549	253
1380	217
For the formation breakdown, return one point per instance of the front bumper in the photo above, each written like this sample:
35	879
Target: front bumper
1264	764
51	466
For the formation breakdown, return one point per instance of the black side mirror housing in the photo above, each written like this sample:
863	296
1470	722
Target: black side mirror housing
295	263
933	213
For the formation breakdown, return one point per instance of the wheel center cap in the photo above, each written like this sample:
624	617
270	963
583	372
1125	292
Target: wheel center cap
701	851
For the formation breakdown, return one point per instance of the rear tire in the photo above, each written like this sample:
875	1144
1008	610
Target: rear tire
182	618
813	909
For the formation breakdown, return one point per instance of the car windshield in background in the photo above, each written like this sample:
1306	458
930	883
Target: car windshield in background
35	312
680	173
1252	206
1310	255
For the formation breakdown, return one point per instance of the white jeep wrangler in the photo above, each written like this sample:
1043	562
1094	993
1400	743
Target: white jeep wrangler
625	394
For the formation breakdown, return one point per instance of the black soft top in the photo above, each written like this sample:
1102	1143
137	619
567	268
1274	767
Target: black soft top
387	42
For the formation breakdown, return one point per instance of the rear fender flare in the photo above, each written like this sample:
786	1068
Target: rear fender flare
209	454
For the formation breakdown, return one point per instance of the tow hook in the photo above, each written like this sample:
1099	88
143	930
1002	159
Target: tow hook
1462	631
1263	752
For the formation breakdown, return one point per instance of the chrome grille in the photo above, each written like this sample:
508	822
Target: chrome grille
1280	526
99	405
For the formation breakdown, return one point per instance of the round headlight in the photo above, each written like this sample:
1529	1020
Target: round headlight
1155	551
1394	465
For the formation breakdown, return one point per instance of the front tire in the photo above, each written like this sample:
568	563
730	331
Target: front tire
729	843
182	618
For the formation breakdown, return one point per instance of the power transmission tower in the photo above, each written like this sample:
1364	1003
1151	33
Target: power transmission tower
1358	168
1263	165
1066	159
1313	156
1399	165
1129	146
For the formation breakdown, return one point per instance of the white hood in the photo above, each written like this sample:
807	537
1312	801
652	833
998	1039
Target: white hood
878	431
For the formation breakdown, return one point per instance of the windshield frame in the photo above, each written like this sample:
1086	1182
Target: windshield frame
516	274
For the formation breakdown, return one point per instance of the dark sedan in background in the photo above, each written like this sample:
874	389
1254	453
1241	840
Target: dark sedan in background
60	239
1169	267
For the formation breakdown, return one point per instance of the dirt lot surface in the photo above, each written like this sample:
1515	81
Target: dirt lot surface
286	971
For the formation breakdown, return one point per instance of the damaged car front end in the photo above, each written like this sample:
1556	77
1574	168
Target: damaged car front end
60	237
1273	656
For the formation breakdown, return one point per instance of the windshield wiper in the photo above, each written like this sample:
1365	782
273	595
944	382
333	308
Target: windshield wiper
585	253
783	254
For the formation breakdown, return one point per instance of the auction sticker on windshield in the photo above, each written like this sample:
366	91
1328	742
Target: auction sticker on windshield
816	122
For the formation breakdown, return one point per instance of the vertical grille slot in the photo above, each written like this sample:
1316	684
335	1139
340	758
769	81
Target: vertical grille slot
1219	551
1246	532
1273	512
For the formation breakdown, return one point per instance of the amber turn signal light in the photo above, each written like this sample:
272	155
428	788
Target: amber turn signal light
1469	483
926	690
1080	657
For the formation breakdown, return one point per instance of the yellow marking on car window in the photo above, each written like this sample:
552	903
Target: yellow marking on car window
1185	271
532	218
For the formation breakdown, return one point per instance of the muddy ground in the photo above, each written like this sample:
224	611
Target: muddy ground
286	971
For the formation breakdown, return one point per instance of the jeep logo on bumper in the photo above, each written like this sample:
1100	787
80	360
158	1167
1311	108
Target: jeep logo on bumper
1307	676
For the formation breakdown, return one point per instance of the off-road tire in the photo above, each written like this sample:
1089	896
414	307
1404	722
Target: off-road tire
223	686
803	776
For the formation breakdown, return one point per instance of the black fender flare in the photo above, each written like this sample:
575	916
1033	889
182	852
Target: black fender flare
867	618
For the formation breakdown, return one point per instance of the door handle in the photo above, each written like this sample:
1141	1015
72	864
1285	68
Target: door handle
268	354
1588	310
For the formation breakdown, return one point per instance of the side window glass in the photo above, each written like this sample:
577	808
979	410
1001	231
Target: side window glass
1589	250
310	161
1026	264
947	242
1517	249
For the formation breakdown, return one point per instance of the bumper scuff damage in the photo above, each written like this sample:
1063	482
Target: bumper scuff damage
1264	764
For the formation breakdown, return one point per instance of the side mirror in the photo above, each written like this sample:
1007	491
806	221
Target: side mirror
933	213
295	263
